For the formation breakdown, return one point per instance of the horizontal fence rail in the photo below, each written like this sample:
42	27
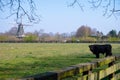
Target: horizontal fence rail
84	71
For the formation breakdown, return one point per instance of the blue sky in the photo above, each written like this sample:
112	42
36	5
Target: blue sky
56	16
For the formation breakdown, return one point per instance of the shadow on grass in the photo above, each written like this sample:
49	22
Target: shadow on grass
87	56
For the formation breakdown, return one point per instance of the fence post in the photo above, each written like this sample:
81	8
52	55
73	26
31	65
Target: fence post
109	65
88	70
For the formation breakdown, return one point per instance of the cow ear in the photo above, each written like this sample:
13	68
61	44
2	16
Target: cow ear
89	46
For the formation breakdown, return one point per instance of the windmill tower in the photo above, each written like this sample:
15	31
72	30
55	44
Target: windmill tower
20	31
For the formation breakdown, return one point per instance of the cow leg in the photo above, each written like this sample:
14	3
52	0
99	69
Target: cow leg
97	55
107	54
110	54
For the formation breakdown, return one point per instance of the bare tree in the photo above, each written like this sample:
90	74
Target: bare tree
110	6
18	8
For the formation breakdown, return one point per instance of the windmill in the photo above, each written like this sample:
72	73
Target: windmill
20	30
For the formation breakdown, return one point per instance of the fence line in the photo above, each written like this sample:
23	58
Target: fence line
84	71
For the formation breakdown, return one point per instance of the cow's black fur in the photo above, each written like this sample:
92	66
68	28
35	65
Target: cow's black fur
104	49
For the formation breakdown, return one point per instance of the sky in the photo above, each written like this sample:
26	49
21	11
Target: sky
57	16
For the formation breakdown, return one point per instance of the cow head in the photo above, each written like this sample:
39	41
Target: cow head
91	47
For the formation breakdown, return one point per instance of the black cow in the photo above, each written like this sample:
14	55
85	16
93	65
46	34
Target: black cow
104	49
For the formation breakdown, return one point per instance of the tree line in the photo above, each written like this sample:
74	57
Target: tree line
83	33
89	34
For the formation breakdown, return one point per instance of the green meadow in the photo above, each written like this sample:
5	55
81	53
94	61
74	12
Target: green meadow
24	59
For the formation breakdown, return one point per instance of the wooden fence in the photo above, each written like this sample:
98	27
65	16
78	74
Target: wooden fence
101	69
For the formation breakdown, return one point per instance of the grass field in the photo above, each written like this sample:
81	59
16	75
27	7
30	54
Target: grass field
23	59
